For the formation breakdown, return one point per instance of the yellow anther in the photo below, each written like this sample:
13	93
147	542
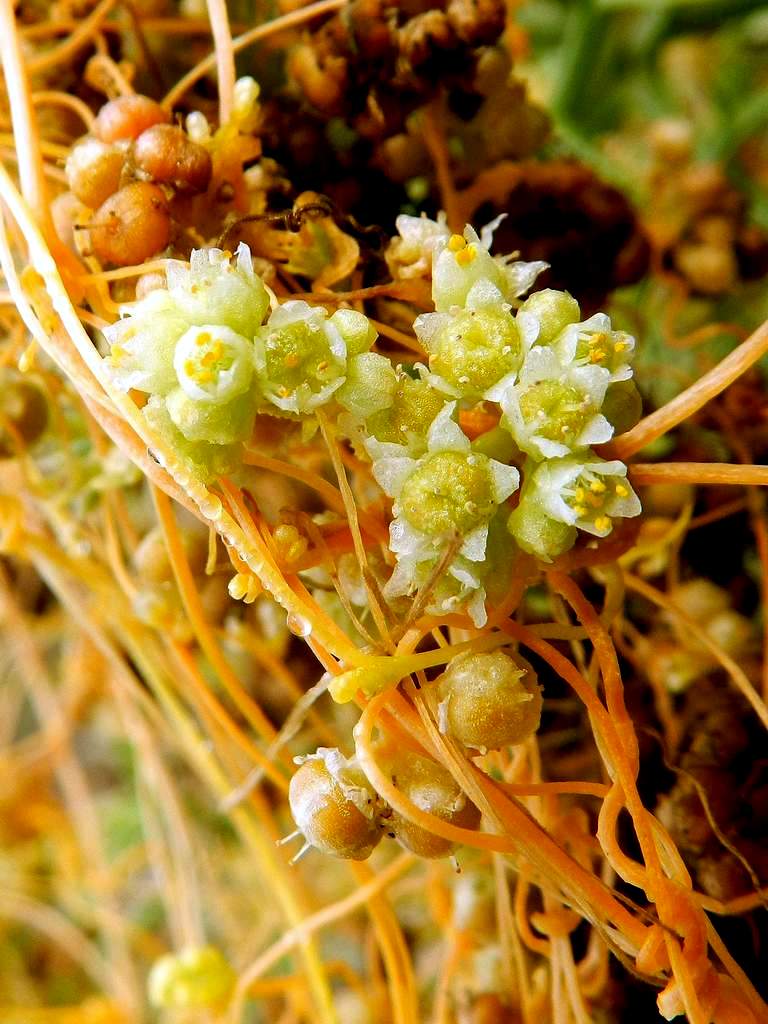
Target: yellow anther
597	356
189	368
579	511
619	346
322	366
466	256
602	523
597	487
456	242
621	490
118	353
283	391
579	495
291	361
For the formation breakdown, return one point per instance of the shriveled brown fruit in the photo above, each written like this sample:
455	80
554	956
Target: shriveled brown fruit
127	117
131	225
165	154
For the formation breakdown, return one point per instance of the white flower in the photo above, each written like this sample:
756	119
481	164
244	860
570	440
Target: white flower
410	255
213	364
216	289
301	357
586	494
594	343
450	492
554	408
461	261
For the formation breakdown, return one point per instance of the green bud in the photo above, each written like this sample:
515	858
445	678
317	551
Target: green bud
537	533
370	385
554	310
216	424
356	330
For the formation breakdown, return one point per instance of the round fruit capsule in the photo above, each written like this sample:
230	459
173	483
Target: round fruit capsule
164	153
131	225
127	117
23	414
333	805
93	171
488	701
432	789
194	978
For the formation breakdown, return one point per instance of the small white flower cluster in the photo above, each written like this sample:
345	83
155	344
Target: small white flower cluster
550	378
200	347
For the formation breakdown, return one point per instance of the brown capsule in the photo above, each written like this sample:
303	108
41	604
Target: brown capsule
127	117
93	171
432	789
131	225
489	701
334	806
166	154
23	414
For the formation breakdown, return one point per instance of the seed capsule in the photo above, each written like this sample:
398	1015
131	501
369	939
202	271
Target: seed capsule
23	413
488	701
93	171
334	806
131	225
127	117
432	789
164	153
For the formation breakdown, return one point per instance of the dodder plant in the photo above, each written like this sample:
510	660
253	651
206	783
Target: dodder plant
499	460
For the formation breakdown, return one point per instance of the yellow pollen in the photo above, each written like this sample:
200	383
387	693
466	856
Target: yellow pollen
602	523
579	495
189	368
597	356
322	366
579	511
597	487
291	361
202	339
619	346
455	243
466	256
283	392
117	353
621	490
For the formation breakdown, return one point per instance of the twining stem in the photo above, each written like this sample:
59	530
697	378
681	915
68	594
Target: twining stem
698	473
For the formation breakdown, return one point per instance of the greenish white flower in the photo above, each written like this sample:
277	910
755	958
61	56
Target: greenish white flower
217	289
461	261
478	351
560	496
213	364
410	255
143	343
595	343
448	493
301	354
554	408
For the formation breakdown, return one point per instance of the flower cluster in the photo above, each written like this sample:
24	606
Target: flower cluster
201	348
553	386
